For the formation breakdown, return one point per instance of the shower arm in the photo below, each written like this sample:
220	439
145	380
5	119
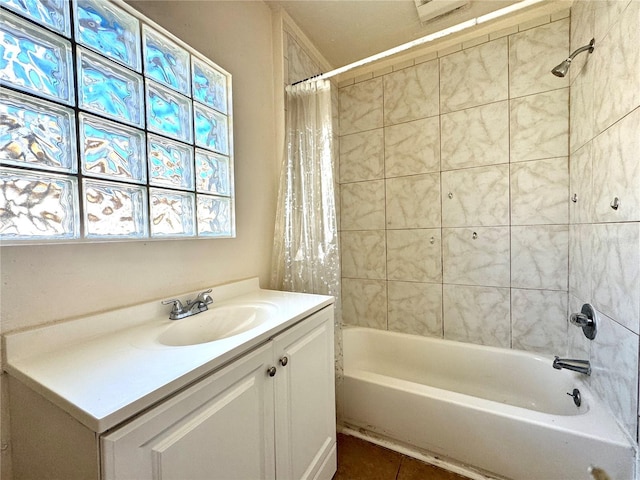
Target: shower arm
589	47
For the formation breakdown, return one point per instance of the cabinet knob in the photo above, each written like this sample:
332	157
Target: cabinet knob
272	371
284	361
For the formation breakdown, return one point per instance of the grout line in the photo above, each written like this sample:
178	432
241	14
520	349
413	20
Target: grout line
509	133
384	191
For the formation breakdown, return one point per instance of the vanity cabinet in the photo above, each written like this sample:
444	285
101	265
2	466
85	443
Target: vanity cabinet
268	415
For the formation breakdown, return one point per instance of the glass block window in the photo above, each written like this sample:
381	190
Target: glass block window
37	134
172	213
53	14
38	204
112	128
35	60
106	29
166	62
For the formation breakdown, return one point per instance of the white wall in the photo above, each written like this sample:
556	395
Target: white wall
41	284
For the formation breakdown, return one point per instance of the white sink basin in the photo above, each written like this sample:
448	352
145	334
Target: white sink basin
215	324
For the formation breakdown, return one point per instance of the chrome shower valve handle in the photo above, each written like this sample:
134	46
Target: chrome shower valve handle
586	320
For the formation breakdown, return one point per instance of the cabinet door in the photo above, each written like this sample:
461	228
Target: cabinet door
220	428
305	399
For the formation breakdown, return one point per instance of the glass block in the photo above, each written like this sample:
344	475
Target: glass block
209	85
111	150
215	216
172	213
168	113
108	30
37	206
170	163
35	60
36	133
114	210
109	89
165	62
211	129
212	173
53	14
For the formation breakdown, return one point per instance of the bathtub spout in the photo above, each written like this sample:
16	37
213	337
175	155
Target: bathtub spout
580	366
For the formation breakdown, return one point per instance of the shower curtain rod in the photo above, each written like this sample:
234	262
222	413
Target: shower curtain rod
426	39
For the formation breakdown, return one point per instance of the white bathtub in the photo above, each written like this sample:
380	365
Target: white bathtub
500	411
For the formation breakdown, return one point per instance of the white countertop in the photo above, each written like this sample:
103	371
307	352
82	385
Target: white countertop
105	368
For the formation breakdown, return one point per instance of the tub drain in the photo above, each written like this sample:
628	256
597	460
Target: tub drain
577	399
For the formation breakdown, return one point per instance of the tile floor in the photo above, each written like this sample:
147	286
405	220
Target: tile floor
361	460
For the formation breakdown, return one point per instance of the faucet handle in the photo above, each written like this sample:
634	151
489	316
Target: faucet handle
177	305
204	297
586	319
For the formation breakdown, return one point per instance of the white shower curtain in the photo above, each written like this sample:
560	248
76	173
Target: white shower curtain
306	257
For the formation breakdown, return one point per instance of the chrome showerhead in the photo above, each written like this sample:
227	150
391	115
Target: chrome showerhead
562	69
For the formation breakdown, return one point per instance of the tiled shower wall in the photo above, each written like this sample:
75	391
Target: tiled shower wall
455	193
604	267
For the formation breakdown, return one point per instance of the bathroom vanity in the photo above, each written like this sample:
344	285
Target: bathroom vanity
108	397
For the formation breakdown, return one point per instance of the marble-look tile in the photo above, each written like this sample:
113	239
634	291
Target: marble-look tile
540	257
361	107
539	321
474	76
412	148
415	308
335	109
606	14
362	205
413	202
618	69
476	196
580	186
578	346
363	254
616	272
540	192
581	114
362	156
476	256
614	370
581	261
540	126
616	170
475	136
561	14
364	303
534	22
301	65
582	31
532	55
335	165
478	315
411	93
414	255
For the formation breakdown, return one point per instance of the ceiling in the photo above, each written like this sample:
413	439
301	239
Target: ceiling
345	31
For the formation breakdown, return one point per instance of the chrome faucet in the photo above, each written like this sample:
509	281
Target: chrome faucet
580	366
192	307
